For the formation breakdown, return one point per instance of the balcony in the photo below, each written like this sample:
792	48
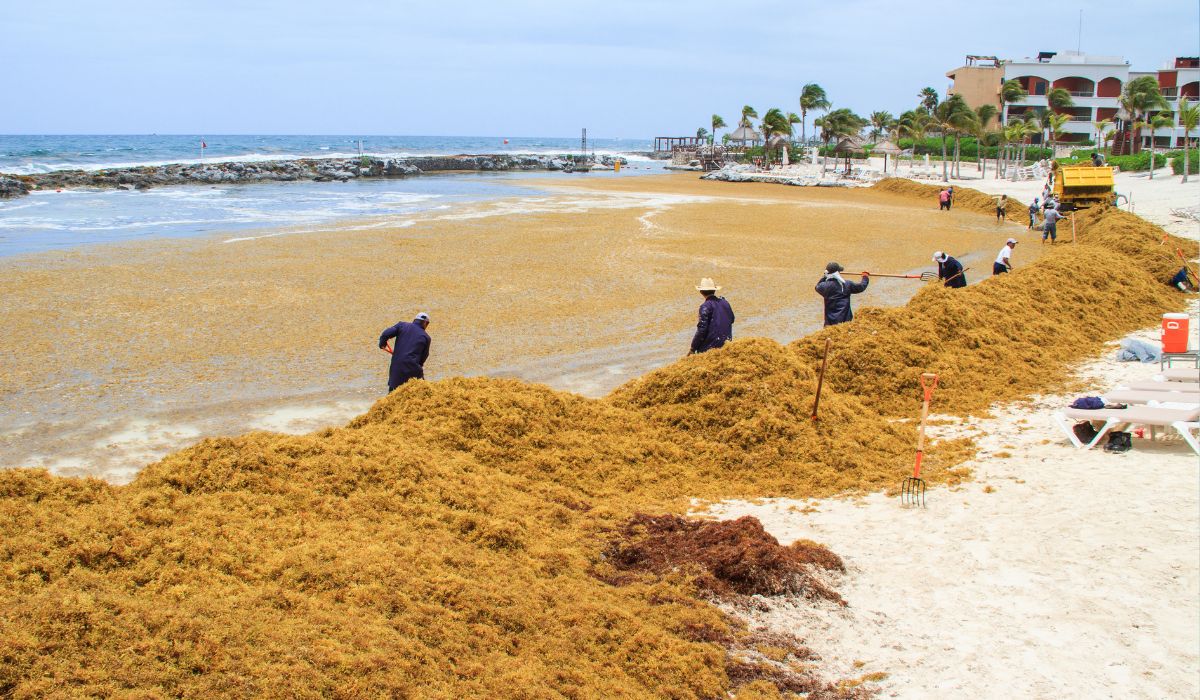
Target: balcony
1081	93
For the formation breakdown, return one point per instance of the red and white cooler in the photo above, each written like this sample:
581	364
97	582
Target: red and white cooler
1174	332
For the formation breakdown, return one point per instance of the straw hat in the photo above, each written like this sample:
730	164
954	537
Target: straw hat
707	285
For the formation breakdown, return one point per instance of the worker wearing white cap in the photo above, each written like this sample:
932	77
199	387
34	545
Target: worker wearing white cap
715	325
950	270
1004	258
411	351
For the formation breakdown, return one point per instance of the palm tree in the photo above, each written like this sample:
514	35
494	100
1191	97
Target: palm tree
983	114
946	116
915	124
1162	120
1011	91
774	123
962	121
717	123
929	99
1140	97
1013	132
1056	123
1101	127
880	122
812	96
1032	127
1189	119
837	124
748	113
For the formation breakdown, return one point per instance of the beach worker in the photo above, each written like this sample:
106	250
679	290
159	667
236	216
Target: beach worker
944	200
410	352
1004	258
1181	281
715	325
837	293
950	270
1033	212
1002	208
1050	225
1097	159
950	191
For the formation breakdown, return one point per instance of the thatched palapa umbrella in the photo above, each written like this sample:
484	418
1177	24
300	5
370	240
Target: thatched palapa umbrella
848	145
779	141
744	135
886	148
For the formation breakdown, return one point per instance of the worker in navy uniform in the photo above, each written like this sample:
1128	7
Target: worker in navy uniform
950	270
837	293
410	352
715	325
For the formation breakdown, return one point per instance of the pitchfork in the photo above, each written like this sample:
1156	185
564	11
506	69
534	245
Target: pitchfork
912	490
924	276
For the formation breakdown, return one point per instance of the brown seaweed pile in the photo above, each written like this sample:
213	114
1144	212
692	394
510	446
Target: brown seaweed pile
445	543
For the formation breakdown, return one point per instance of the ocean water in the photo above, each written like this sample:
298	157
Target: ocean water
24	155
55	220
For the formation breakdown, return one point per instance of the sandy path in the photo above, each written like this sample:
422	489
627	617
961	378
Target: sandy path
1056	573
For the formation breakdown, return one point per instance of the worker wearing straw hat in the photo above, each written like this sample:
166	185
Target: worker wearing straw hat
837	293
411	351
715	325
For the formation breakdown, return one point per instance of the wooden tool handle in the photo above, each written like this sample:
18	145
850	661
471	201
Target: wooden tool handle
821	378
929	382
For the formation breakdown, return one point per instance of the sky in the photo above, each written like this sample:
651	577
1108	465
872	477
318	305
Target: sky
621	68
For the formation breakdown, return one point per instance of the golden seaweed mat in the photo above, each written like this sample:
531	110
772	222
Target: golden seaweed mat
113	355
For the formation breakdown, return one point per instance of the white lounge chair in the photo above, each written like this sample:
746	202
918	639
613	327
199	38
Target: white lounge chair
1131	396
1151	385
1181	374
1184	421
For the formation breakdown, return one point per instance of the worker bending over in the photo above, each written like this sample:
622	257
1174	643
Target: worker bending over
715	325
837	293
411	351
950	270
1004	258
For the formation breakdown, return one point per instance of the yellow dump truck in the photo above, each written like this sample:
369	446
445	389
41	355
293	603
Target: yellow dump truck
1081	186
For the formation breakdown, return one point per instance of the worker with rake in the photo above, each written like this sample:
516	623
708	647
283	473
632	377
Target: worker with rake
950	270
411	351
715	325
837	293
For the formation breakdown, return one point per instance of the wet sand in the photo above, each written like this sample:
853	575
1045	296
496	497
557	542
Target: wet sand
115	355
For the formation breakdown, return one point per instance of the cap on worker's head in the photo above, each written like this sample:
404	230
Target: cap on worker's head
707	285
939	257
422	317
1035	200
1012	241
834	267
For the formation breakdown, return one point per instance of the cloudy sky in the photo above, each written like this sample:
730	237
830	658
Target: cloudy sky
622	68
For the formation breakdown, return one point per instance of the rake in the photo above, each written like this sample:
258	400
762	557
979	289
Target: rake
924	276
912	489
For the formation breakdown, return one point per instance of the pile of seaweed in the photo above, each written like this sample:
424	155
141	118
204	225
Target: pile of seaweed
449	539
964	198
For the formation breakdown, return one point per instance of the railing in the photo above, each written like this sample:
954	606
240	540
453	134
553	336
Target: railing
1081	93
1080	118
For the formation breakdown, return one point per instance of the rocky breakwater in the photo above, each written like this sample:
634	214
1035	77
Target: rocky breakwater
314	169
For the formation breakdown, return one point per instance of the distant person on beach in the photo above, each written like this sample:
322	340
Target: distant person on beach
1097	159
950	270
1002	208
715	325
410	352
1033	212
944	200
1004	258
837	293
1050	225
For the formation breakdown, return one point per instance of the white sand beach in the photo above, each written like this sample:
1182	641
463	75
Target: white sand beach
1055	573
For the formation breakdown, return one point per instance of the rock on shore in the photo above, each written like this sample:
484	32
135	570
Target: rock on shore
314	169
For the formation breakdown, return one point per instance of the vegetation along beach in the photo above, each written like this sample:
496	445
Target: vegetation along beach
779	388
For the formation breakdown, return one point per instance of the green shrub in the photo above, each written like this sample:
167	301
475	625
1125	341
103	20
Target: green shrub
1193	162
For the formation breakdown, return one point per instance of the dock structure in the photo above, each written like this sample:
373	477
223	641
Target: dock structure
667	144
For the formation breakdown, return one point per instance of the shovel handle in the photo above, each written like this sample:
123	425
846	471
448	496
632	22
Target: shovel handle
929	382
387	348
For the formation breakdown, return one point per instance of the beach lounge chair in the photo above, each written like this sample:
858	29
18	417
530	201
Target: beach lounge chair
1136	397
1151	385
1183	420
1181	374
